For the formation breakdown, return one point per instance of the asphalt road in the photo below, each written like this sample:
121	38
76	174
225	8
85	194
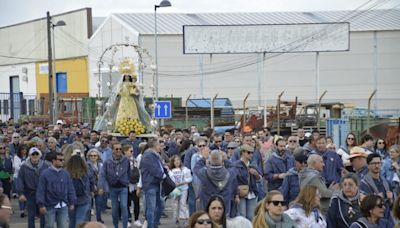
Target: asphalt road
18	222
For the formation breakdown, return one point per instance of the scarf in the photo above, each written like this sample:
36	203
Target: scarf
218	175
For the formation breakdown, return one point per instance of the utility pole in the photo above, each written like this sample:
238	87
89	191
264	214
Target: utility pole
50	68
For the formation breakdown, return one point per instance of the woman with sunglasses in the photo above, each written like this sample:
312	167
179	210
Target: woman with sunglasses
305	209
373	208
200	219
344	150
246	176
391	168
344	208
95	165
22	152
381	149
269	212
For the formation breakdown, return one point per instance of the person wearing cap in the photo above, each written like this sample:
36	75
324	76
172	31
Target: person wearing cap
247	175
290	186
375	183
277	165
27	183
358	160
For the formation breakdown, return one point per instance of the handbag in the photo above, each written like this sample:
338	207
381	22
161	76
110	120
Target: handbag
243	190
168	185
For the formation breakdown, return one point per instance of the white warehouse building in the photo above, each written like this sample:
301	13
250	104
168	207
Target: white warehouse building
349	76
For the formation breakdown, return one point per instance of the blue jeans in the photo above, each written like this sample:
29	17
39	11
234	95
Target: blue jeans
191	200
78	215
119	201
99	202
59	215
246	207
33	211
154	206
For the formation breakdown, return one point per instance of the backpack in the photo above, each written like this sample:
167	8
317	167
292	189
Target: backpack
134	175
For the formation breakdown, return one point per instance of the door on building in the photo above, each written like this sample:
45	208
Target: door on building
61	82
15	97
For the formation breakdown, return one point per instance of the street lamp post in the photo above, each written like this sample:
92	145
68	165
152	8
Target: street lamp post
163	3
59	23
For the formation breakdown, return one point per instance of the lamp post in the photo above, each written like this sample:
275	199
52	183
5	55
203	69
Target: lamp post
163	3
59	23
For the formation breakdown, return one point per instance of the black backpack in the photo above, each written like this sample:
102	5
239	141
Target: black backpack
135	174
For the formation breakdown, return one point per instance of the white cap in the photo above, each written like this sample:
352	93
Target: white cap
59	122
33	150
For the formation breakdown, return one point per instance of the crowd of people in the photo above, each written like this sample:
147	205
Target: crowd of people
67	174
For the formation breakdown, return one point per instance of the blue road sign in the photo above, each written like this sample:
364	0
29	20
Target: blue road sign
162	109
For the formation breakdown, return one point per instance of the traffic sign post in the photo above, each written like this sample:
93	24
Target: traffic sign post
162	109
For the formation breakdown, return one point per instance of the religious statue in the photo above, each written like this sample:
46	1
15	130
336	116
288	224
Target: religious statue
125	107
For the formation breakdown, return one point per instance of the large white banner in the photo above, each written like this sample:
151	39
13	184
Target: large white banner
280	38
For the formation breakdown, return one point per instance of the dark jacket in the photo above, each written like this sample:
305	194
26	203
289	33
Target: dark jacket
363	222
188	157
275	165
342	211
115	173
6	168
255	160
83	189
242	176
227	188
151	169
290	186
333	166
54	187
28	177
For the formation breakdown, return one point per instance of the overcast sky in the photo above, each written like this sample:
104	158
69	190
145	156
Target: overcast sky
16	11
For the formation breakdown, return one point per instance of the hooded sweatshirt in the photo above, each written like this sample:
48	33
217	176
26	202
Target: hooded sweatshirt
364	223
277	164
290	186
343	211
215	180
313	177
28	177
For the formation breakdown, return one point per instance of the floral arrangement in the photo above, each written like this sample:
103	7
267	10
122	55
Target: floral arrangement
125	125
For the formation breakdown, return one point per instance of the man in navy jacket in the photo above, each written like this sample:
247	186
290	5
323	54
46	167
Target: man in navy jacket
115	177
277	165
27	183
216	180
152	171
55	193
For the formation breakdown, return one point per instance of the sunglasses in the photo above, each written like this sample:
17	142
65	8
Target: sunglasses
249	152
117	148
292	141
60	159
231	148
381	205
104	141
201	146
204	221
350	138
35	154
217	141
381	142
277	202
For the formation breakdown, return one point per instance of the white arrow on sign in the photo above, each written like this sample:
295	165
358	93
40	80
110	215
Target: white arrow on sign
158	110
165	110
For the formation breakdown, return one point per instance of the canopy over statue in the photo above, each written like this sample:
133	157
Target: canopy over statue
125	109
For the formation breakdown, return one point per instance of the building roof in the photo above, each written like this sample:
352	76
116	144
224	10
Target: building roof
171	23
